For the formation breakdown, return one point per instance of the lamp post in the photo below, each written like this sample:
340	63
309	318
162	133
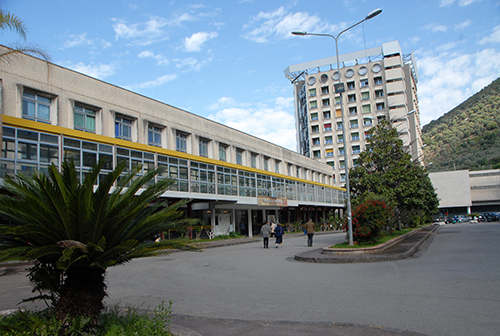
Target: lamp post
339	88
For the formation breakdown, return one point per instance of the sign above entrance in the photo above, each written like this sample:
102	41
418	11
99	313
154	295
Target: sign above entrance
276	201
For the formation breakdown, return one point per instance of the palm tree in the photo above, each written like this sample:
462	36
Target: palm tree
73	231
8	54
11	21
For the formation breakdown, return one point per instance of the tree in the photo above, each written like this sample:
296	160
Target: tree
386	169
12	22
73	233
8	54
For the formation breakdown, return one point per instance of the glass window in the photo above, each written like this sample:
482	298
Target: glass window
181	142
203	144
239	156
365	95
27	151
154	135
84	118
36	107
123	128
367	108
222	152
254	160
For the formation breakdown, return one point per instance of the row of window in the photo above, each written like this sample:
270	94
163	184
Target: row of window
363	83
329	152
340	138
380	106
354	123
25	151
353	110
37	106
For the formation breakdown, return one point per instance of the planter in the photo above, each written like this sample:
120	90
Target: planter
368	250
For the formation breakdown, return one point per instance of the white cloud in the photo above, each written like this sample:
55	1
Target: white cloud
190	63
160	59
463	25
461	3
153	83
83	40
435	28
446	80
99	71
493	38
279	24
274	124
140	33
195	41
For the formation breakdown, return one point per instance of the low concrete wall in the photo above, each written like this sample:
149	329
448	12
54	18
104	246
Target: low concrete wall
368	250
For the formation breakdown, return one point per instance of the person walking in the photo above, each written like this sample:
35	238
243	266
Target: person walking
273	227
279	233
265	231
242	227
310	232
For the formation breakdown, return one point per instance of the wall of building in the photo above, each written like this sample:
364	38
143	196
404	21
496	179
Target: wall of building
379	84
41	109
465	191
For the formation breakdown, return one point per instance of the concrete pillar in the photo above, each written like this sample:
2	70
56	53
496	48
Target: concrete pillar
468	210
212	216
250	229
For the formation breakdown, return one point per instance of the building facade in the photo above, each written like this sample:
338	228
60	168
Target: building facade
50	113
380	84
465	192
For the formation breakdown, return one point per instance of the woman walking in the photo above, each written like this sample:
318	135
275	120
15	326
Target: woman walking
279	233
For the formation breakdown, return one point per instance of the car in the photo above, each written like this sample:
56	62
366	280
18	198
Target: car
438	221
481	218
491	216
463	218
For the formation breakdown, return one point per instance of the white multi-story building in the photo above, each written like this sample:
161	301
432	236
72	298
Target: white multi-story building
50	113
379	83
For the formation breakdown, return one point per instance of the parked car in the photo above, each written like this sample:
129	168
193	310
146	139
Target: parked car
438	221
481	218
462	218
491	216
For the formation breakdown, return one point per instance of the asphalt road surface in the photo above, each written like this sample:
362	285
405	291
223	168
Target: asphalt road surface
451	288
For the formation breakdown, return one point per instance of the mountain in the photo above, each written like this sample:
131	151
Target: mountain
467	137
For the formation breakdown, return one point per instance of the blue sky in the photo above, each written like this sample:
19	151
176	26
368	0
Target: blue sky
224	59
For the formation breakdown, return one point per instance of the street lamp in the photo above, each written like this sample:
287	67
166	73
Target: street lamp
339	88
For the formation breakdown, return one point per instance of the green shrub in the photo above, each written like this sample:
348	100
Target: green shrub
369	220
113	322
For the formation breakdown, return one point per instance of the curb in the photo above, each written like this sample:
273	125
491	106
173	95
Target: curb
318	257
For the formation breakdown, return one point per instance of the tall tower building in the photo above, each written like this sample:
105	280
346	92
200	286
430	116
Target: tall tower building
380	84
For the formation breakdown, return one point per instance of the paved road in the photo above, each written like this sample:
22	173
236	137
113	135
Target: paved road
452	288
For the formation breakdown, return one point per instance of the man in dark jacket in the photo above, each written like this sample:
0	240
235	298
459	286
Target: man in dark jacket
310	232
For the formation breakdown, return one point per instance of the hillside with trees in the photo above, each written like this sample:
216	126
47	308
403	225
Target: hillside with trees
467	137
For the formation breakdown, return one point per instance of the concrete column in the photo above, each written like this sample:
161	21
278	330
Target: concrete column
250	229
468	210
212	216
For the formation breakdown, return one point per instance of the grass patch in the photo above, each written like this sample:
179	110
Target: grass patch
382	240
113	322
